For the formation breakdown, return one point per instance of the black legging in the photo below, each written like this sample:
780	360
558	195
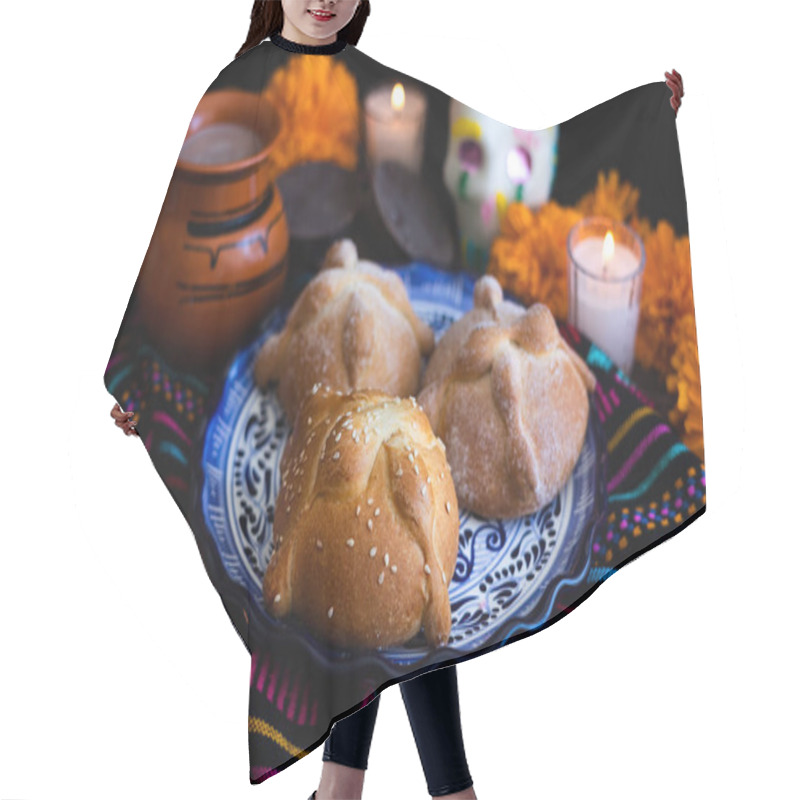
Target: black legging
433	711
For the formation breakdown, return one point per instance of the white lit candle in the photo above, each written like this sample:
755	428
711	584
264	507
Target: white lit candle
395	124
606	263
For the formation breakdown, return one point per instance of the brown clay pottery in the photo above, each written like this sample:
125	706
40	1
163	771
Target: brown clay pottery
217	262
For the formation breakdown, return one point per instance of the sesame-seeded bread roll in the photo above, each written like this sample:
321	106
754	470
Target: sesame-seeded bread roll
508	396
366	523
352	327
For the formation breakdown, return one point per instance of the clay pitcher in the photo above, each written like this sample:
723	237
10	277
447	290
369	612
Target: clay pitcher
217	261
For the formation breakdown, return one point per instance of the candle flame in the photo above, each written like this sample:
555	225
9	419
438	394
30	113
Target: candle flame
608	249
398	97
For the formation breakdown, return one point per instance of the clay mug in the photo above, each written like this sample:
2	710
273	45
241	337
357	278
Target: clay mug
217	260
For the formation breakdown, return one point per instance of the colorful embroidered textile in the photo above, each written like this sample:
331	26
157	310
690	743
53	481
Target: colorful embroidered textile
418	380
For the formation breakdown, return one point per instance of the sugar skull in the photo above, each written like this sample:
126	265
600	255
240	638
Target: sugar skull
488	165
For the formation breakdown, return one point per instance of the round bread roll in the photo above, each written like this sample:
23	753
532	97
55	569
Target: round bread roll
508	396
352	327
366	523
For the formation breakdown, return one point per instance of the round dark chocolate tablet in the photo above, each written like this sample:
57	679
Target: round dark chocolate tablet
320	198
411	213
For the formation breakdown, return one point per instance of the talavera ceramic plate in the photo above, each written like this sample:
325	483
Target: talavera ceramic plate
508	572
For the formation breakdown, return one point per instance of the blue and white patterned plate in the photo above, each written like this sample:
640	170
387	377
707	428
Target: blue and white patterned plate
508	572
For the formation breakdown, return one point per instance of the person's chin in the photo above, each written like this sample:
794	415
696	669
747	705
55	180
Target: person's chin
319	30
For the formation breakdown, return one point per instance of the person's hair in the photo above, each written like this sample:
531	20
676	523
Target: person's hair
266	19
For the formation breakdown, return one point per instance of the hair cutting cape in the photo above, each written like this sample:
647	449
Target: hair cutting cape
418	380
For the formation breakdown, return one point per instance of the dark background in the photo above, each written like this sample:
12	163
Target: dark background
599	139
595	141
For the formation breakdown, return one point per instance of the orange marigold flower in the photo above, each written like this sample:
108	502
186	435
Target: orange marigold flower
529	255
529	259
317	102
684	379
666	294
610	198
